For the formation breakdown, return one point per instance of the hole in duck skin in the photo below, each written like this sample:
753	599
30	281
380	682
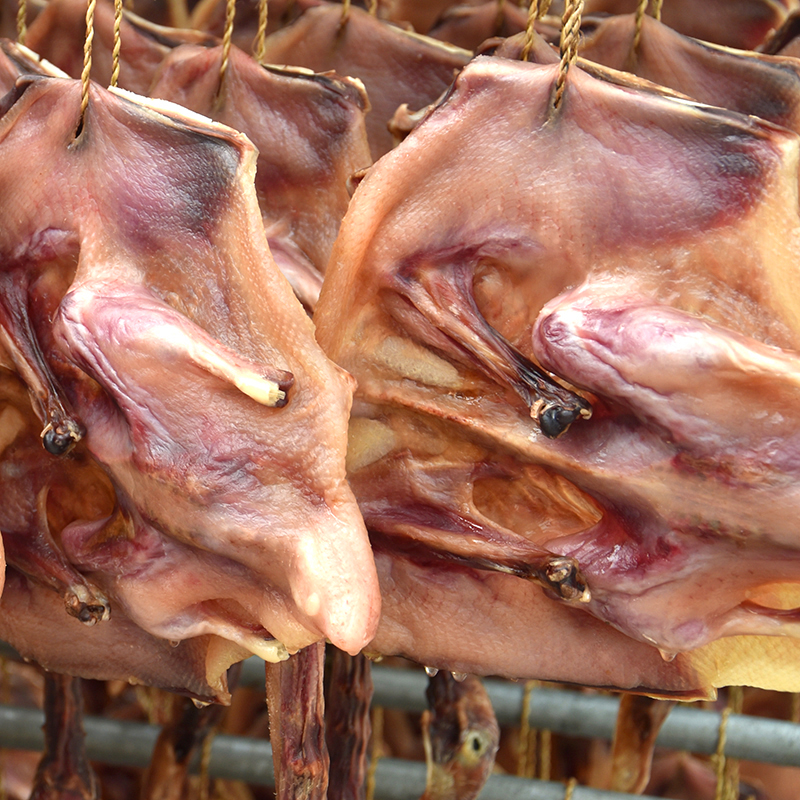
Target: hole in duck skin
557	506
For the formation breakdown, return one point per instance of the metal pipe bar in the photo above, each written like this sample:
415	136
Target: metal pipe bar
575	714
250	760
397	779
130	744
592	716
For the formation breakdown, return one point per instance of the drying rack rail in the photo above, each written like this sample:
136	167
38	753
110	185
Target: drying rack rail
573	713
239	758
568	712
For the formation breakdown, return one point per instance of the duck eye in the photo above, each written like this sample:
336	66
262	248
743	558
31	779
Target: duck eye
474	745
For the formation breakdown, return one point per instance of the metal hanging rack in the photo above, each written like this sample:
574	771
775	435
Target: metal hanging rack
563	711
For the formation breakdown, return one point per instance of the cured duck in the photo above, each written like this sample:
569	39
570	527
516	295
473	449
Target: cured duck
742	24
310	134
461	737
530	286
138	249
396	66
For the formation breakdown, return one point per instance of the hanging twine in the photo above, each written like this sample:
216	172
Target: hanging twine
536	10
570	790
498	20
533	15
641	10
87	57
545	750
727	769
261	35
5	694
375	751
117	42
22	21
719	756
534	746
227	36
657	9
205	762
345	11
372	8
526	752
570	38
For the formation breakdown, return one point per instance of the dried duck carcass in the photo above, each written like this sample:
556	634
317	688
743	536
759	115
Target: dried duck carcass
310	134
156	334
461	737
751	83
743	24
59	32
308	129
574	332
468	26
396	66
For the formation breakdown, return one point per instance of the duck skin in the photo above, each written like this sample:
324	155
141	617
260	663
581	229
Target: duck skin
750	83
42	493
194	373
741	23
59	32
396	66
468	26
310	134
649	303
